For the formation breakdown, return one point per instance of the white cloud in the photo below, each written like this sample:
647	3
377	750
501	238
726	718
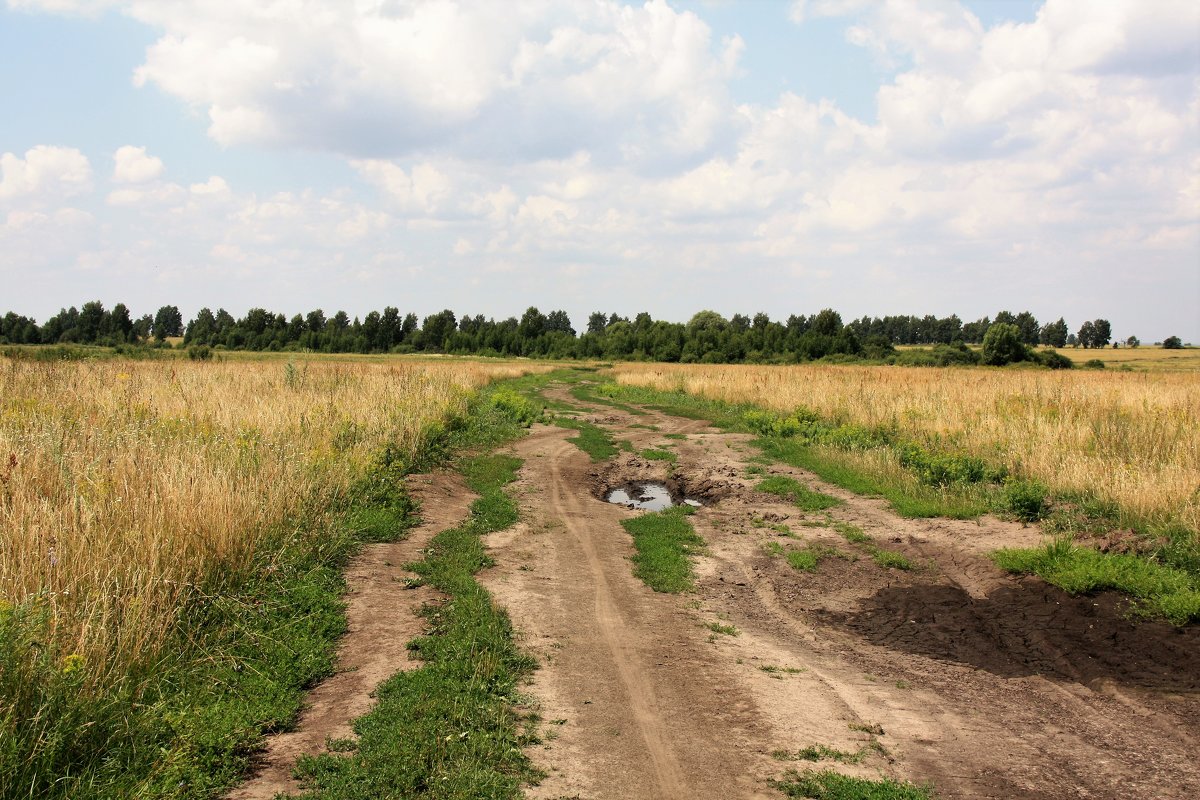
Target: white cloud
132	165
44	171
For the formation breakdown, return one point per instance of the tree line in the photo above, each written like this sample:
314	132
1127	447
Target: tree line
707	337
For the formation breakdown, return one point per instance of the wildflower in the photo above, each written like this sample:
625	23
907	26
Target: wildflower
72	664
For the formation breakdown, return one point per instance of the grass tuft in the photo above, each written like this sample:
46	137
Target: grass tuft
664	541
829	785
803	497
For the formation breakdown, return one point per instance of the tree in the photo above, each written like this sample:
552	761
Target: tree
1029	327
1087	335
1103	332
1132	341
1054	334
597	322
1172	343
1002	345
168	322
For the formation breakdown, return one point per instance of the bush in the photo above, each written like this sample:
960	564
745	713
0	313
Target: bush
1094	363
1002	345
1055	360
946	470
516	407
1025	500
1172	343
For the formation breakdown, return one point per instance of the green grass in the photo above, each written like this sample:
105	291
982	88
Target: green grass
828	785
591	439
675	436
650	454
1159	589
803	497
723	629
888	559
664	542
587	393
447	729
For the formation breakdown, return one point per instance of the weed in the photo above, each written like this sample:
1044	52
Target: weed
651	454
1160	589
829	785
801	495
724	630
664	541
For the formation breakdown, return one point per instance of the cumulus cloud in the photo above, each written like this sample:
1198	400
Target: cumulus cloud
134	166
534	78
44	171
593	139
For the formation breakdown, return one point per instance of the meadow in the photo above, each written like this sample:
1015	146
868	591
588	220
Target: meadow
1127	438
134	492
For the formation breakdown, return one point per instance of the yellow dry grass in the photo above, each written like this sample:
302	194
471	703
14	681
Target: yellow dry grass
123	484
1128	437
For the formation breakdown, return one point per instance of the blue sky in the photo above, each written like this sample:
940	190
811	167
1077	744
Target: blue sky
876	157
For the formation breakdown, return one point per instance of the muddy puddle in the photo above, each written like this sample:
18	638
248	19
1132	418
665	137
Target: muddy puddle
648	496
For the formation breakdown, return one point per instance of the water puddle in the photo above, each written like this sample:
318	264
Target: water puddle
648	496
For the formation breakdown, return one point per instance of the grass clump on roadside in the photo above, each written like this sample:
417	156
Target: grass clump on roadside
591	439
664	541
651	454
829	785
800	495
447	729
1159	589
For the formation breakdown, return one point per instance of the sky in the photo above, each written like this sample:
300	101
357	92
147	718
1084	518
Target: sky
874	156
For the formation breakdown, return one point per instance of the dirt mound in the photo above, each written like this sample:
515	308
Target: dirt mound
1029	628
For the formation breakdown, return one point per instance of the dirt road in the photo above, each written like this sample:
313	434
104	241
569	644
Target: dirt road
953	673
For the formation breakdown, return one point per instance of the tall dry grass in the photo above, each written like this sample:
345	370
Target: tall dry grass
124	485
1131	438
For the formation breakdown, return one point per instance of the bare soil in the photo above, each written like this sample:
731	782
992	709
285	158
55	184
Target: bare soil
381	619
983	684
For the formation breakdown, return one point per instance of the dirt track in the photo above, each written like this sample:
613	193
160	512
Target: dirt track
983	684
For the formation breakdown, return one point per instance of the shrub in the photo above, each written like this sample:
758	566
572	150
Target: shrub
1025	500
516	407
1172	343
1055	360
200	352
1093	363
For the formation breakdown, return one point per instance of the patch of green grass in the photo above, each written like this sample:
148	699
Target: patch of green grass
805	560
675	435
829	785
447	729
851	533
888	559
723	629
591	439
773	549
803	497
650	454
908	500
664	542
587	392
1160	589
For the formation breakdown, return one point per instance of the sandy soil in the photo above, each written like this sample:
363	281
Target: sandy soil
382	619
986	685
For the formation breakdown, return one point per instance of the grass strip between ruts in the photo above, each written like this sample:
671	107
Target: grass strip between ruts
664	540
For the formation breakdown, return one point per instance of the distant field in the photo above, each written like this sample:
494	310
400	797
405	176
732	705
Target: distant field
1132	438
1152	358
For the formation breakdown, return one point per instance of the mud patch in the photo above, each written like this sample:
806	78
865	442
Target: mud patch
1029	628
649	496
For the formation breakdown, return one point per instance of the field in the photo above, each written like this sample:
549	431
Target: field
174	537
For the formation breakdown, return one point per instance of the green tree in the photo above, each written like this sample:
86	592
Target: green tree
1172	343
168	322
1002	345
